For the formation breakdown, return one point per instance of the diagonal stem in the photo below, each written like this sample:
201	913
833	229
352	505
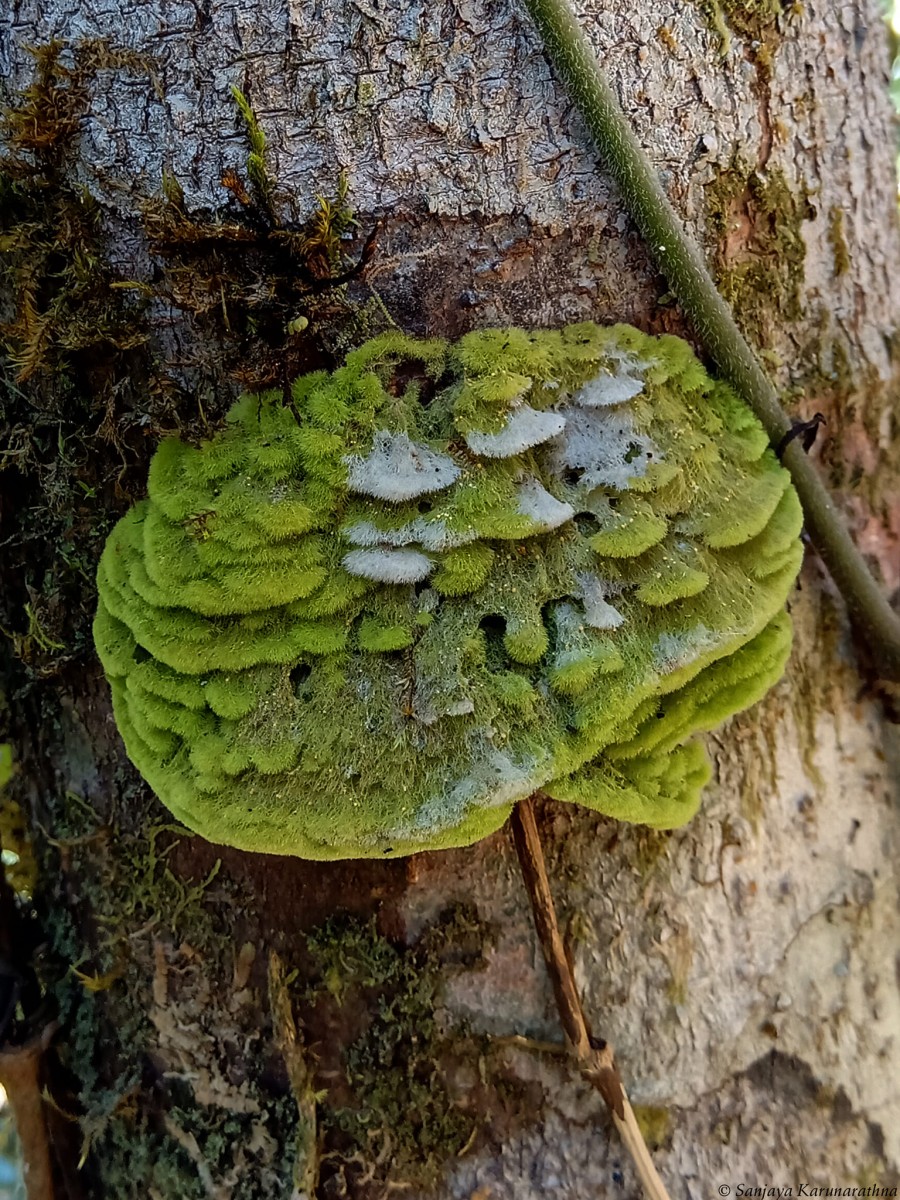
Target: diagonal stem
595	1058
20	1077
681	261
537	884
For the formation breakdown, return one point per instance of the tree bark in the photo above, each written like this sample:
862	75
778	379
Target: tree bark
744	967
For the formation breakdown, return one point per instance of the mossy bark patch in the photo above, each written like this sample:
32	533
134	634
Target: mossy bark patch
194	1097
754	21
757	220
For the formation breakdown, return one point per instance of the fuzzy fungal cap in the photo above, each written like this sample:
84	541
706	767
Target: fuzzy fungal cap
368	623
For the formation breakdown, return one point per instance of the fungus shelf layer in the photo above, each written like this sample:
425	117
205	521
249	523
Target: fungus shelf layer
368	623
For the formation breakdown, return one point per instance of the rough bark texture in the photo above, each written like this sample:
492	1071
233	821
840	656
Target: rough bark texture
743	967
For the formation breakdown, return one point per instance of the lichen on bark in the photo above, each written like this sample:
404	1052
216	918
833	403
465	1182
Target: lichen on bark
757	219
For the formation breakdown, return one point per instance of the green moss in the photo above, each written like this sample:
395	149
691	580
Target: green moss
655	1124
365	626
715	17
838	241
403	1122
17	861
187	1095
750	18
51	227
757	219
649	850
754	21
257	170
73	344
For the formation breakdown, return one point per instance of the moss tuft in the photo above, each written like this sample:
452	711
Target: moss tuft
756	22
757	219
838	241
401	1120
337	630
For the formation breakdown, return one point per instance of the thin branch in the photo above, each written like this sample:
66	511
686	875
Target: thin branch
20	1076
287	1038
682	263
595	1058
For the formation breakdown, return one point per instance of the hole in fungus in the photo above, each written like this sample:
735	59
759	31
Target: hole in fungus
587	524
424	506
632	452
573	475
411	380
298	677
612	501
550	615
493	626
139	654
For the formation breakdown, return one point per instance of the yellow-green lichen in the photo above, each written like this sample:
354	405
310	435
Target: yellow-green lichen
758	220
752	20
655	1124
838	240
369	622
397	1118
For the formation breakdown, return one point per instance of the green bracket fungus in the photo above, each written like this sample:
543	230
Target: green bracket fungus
368	623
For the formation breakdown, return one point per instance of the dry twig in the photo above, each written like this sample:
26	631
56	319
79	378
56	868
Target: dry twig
20	1075
287	1036
595	1058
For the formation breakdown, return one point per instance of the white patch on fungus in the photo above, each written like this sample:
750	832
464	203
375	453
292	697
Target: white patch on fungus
431	535
427	600
598	613
495	779
577	652
434	535
671	651
541	507
604	390
397	469
573	645
385	565
525	427
365	533
614	385
498	779
604	445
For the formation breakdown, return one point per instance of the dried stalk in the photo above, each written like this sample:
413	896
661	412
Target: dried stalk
595	1058
20	1076
287	1037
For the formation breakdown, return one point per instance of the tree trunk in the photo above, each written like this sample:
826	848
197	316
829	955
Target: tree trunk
744	966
